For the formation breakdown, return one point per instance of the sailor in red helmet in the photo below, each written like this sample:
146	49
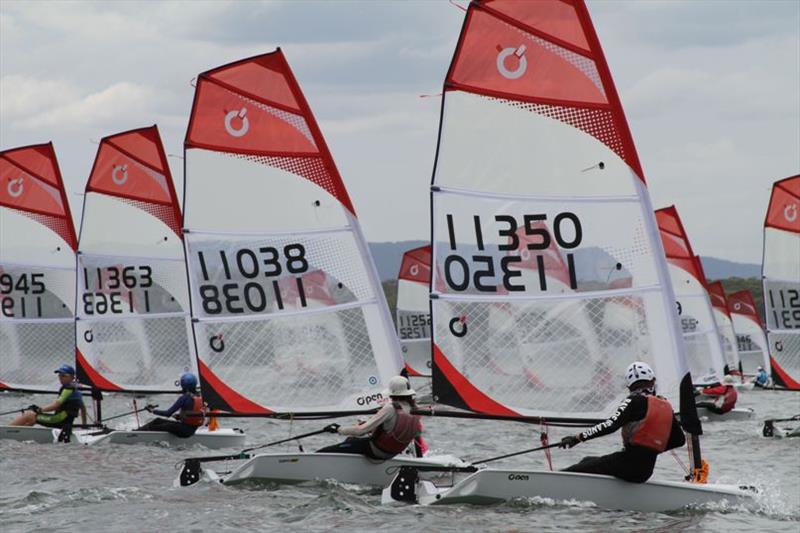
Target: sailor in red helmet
390	430
649	427
724	397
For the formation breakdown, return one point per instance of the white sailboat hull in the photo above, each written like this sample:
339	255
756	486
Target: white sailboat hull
220	438
293	468
491	486
38	434
737	413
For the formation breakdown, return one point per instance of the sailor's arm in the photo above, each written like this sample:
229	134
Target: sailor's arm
624	414
56	404
171	411
370	425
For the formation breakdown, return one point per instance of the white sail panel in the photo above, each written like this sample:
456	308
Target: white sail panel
289	315
750	337
700	334
133	324
37	270
722	316
413	310
781	275
549	274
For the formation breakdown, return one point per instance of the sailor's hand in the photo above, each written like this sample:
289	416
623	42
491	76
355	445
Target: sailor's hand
35	408
569	441
149	407
332	428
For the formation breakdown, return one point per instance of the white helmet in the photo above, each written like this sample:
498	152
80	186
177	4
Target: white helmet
399	386
639	371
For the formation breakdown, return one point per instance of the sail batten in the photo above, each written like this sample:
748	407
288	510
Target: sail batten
37	270
549	278
288	312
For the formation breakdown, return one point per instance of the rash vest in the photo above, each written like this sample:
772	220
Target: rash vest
654	429
72	405
194	420
726	396
406	427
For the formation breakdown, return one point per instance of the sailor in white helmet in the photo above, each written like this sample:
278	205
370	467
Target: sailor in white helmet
388	432
649	427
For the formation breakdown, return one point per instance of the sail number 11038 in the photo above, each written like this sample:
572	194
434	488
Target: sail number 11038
531	245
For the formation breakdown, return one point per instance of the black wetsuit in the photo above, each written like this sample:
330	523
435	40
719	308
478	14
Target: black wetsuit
633	463
185	402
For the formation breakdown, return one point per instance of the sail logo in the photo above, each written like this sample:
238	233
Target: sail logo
778	346
737	306
216	343
458	331
16	187
521	60
414	270
245	123
790	212
119	174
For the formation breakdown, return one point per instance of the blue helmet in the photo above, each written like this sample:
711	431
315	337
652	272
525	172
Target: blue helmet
188	381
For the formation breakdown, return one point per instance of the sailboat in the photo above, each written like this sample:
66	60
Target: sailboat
750	336
37	277
133	324
268	218
781	278
703	347
413	311
533	138
722	316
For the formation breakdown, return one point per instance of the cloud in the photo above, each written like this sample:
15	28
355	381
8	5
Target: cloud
23	95
121	101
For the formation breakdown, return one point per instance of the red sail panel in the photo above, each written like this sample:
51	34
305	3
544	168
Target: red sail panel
547	55
416	265
742	303
676	243
718	298
132	166
266	117
30	182
784	205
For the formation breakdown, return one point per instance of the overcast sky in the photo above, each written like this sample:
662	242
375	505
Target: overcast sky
711	90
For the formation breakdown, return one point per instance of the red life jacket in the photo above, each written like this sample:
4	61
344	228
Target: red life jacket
406	427
654	429
194	420
729	400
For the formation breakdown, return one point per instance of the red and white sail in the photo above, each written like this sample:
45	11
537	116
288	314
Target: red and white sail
133	325
37	270
781	276
269	222
413	310
750	337
700	333
722	316
540	208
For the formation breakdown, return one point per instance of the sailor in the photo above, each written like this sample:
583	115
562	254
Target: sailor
649	427
185	424
389	431
762	379
64	408
724	397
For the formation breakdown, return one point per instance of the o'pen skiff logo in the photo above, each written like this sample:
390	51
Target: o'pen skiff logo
522	62
119	174
778	346
245	124
790	212
737	306
414	270
458	326
16	187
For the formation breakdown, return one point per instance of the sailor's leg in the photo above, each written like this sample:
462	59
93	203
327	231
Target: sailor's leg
27	418
351	445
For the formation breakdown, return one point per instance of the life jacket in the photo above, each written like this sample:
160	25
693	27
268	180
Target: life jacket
406	427
197	406
762	378
729	399
74	402
652	431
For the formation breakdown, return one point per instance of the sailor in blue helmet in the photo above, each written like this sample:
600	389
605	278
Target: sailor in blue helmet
648	425
761	379
185	424
62	411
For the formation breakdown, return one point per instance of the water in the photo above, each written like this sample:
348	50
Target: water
130	488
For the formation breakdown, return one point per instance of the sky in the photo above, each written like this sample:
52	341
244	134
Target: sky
711	90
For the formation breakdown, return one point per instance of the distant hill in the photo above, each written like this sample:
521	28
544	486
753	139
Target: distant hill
723	269
388	255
